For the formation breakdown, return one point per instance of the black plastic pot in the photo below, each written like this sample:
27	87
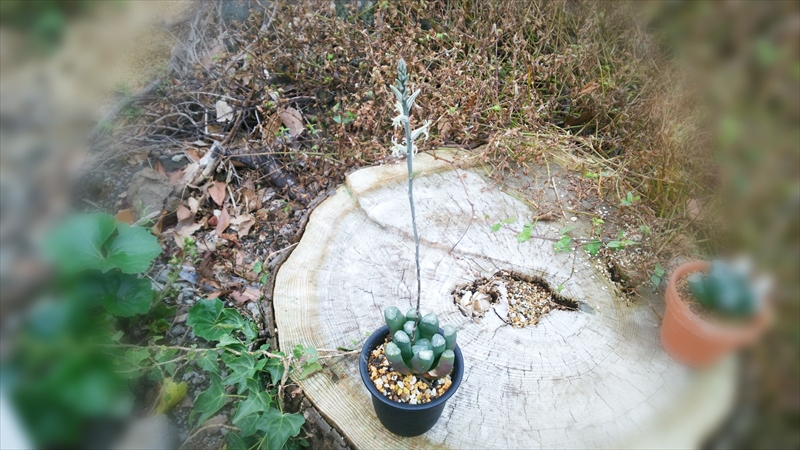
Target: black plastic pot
401	418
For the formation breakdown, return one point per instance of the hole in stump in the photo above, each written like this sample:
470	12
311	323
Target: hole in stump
517	299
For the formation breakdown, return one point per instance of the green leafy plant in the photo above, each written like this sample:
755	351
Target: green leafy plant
58	379
564	244
657	276
257	376
417	346
620	243
725	288
630	199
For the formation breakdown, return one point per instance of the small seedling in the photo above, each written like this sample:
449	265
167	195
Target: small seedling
496	227
657	276
630	199
564	245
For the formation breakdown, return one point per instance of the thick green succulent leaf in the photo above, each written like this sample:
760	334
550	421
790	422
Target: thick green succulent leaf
395	358
429	325
438	345
77	244
449	336
697	285
425	343
279	427
445	365
412	315
422	361
394	318
402	341
412	330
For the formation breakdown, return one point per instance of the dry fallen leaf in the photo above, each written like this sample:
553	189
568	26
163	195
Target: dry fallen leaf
217	192
186	229
249	294
183	213
224	111
158	167
194	204
242	224
125	216
223	220
589	87
192	155
293	120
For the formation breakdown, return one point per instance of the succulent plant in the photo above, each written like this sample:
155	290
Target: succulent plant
417	346
726	288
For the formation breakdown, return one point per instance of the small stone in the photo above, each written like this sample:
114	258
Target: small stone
573	218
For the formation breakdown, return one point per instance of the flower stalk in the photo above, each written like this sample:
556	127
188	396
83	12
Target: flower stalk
403	106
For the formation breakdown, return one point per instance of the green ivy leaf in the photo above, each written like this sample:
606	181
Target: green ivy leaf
210	320
77	244
209	401
593	247
275	368
525	234
131	250
235	442
251	408
242	367
123	294
564	245
309	369
280	427
208	361
656	280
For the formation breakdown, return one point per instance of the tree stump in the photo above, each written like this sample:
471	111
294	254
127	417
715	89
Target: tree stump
591	377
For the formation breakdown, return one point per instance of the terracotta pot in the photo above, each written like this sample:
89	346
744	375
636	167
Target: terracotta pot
693	341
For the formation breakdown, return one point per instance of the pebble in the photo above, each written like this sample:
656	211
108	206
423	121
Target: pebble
403	389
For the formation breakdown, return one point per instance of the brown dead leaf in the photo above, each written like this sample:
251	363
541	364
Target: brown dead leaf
214	295
223	220
192	155
193	204
184	213
250	294
589	87
293	120
125	216
243	223
250	199
186	229
137	158
156	229
231	237
217	192
158	167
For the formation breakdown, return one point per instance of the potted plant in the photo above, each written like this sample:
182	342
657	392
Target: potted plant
410	366
712	309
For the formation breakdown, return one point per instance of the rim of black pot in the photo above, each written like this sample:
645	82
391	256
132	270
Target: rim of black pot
456	375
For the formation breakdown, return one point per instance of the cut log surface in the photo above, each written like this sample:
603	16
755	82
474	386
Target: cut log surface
595	377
